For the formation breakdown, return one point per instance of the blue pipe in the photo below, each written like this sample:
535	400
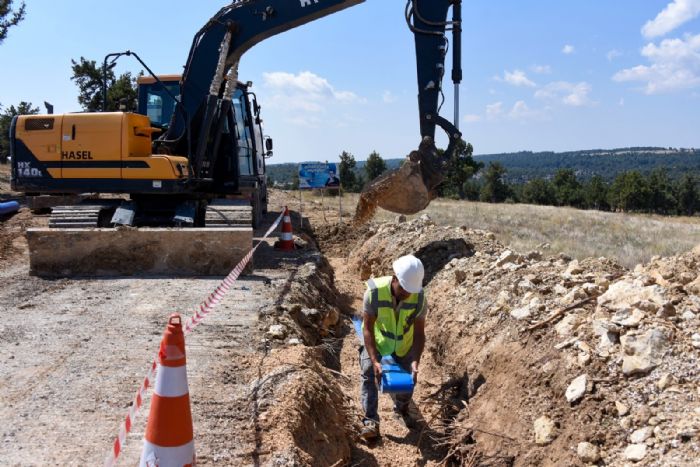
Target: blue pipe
8	207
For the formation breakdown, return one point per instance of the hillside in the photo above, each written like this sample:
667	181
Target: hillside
526	165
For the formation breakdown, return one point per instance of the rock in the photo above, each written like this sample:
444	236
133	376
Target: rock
400	219
622	409
695	340
693	287
331	319
608	333
523	312
534	255
688	315
560	289
665	381
641	435
588	453
575	295
506	257
312	315
628	318
277	331
643	352
294	341
460	276
545	430
573	269
577	389
568	325
426	219
627	294
635	452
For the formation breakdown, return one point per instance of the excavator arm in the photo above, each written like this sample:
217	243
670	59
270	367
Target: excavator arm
217	50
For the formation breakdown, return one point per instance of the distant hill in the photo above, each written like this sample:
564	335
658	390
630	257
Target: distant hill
526	165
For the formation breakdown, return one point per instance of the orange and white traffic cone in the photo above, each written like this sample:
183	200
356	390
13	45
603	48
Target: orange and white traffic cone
169	435
286	241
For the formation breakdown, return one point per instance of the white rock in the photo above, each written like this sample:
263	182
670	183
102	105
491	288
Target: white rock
506	258
628	318
277	331
608	333
621	408
688	315
641	435
627	294
573	268
643	352
560	289
635	452
665	381
695	340
568	325
523	312
544	430
294	341
588	452
577	389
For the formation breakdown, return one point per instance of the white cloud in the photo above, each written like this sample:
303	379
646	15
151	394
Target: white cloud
675	14
494	110
388	97
674	65
521	111
568	49
515	78
471	118
613	54
621	103
304	96
541	69
572	94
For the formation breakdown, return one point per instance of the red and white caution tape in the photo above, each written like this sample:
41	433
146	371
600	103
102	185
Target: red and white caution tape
206	307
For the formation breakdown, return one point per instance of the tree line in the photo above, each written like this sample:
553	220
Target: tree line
630	191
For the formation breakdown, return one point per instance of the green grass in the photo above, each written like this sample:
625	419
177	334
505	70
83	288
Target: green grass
627	238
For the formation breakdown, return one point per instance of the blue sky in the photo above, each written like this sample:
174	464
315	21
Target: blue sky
539	75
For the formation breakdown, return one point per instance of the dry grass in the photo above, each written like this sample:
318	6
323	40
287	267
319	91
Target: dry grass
628	238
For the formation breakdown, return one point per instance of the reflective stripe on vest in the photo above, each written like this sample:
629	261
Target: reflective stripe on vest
392	334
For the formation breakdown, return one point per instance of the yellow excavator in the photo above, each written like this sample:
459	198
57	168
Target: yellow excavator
181	181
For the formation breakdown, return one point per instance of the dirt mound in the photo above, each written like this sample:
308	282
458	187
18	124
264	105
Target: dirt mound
536	360
302	417
434	245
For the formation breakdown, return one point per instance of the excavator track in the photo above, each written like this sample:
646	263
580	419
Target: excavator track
228	213
83	216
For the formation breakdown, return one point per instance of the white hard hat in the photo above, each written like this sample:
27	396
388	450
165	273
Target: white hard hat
409	271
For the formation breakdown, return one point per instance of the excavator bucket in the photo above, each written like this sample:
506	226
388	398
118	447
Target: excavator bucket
406	190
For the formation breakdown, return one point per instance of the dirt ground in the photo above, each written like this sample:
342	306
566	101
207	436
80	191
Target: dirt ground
274	373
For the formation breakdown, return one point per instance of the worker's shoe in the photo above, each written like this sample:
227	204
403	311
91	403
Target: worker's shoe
404	416
369	431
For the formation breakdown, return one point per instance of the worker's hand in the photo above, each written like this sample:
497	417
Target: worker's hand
414	371
377	372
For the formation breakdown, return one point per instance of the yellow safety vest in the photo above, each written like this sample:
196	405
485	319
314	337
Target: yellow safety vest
392	334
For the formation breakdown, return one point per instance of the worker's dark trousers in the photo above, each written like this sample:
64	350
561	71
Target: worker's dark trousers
368	389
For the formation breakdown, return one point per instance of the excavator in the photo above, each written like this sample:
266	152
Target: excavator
192	157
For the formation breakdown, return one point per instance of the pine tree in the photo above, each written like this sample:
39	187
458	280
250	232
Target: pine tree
595	194
687	195
494	189
459	169
121	92
346	172
538	191
9	18
567	188
375	166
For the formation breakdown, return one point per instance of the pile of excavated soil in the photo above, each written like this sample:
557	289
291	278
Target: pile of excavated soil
534	360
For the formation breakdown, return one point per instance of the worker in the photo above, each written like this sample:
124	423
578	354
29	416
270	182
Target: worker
393	323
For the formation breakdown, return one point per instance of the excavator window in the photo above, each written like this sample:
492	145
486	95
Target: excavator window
244	140
156	103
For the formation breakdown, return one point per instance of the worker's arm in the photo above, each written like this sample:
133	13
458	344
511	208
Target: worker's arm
418	345
371	346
